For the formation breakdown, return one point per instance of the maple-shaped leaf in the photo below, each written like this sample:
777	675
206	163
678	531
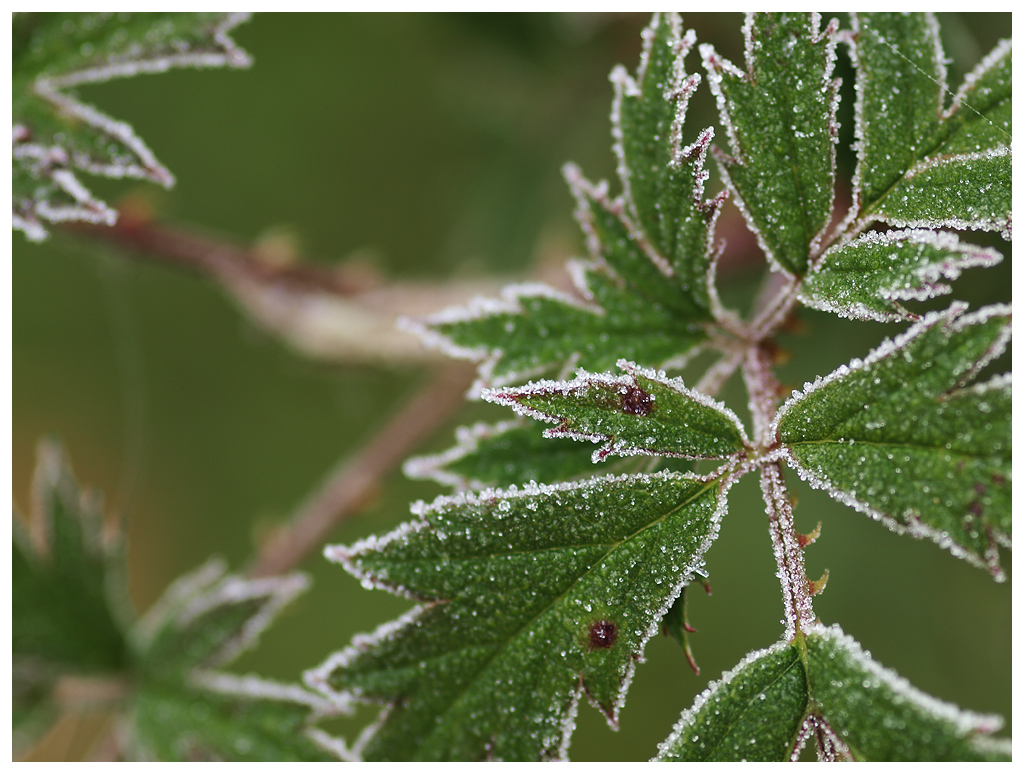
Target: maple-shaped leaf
502	454
867	278
647	291
528	597
641	412
780	116
69	601
919	162
55	134
907	413
186	710
775	700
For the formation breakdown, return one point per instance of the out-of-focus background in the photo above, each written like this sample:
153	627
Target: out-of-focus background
423	148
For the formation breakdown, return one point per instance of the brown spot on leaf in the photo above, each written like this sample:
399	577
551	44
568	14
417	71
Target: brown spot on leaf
637	401
976	508
603	635
998	479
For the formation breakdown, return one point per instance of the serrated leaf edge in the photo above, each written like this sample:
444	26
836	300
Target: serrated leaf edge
689	715
509	397
467	441
715	64
49	89
1004	226
970	256
317	677
965	721
956	320
481	307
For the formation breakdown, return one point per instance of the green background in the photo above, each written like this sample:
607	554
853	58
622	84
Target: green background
429	145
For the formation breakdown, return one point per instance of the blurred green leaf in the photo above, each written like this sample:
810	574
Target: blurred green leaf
56	134
184	711
69	602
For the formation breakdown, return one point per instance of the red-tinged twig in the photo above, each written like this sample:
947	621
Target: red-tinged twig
355	478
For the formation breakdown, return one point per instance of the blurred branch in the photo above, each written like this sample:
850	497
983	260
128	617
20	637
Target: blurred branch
335	313
354	479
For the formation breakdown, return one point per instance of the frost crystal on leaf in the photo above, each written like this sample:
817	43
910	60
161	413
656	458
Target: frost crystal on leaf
641	412
647	293
752	713
55	134
906	414
918	163
528	597
865	279
780	116
881	717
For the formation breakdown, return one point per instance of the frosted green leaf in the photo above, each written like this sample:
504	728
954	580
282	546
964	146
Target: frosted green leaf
207	618
752	713
902	437
780	116
867	278
186	711
658	170
641	412
69	602
217	717
528	597
55	135
971	190
647	293
919	162
500	455
879	716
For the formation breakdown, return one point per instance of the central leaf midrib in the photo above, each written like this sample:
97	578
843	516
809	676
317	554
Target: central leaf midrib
501	647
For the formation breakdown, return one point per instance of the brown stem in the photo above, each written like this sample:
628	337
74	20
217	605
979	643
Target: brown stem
355	478
789	556
213	257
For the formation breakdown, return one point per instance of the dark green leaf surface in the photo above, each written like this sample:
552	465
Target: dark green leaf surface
865	279
780	116
657	171
879	716
68	598
752	713
529	597
966	191
905	414
641	412
56	134
222	718
920	164
501	455
647	291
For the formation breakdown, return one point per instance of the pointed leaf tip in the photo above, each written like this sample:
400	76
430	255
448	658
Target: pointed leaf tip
907	412
488	667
